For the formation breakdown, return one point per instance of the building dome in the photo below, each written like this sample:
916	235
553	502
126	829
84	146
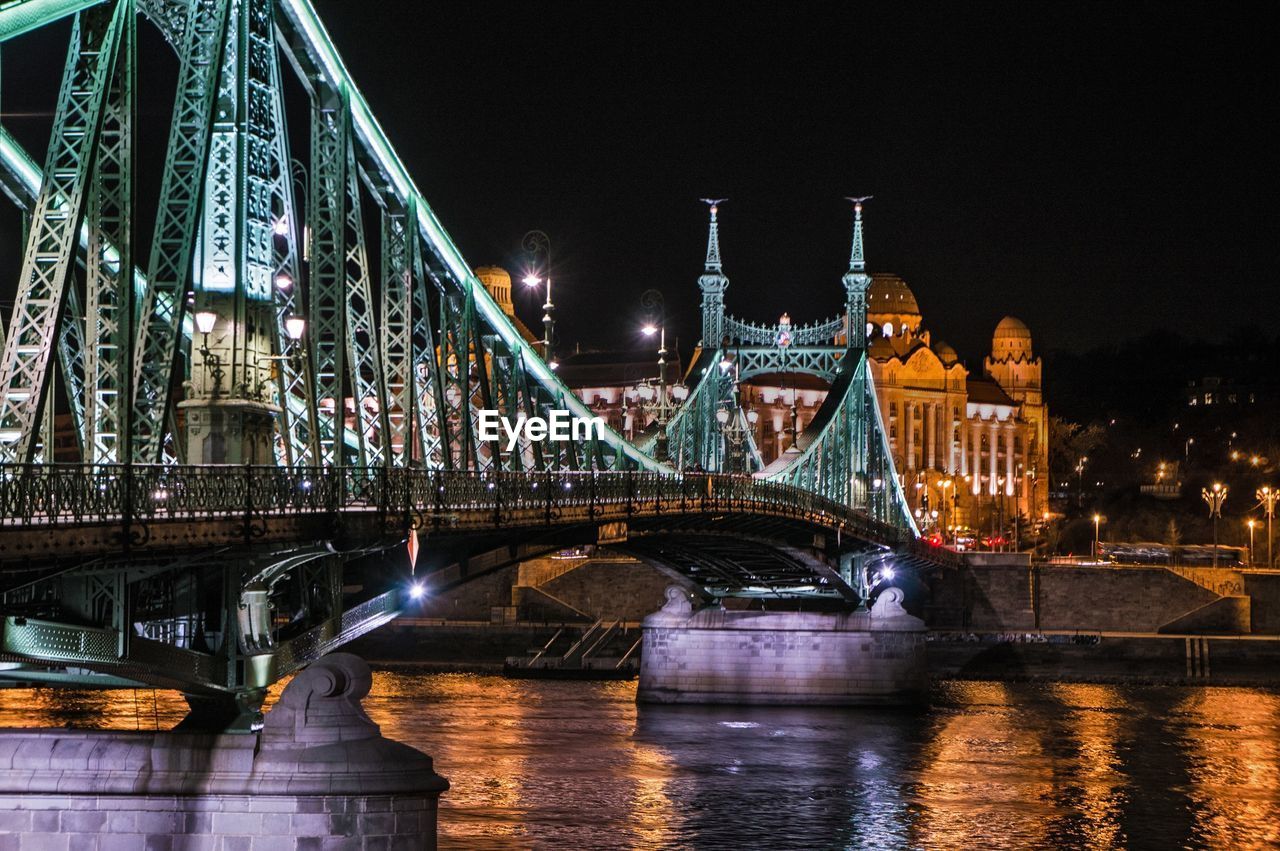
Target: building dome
1012	336
889	294
494	274
498	282
946	354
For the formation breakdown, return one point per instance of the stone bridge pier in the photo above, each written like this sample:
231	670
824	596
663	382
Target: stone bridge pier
318	775
713	656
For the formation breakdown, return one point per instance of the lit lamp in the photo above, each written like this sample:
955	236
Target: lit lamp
205	320
283	281
1097	522
680	392
294	326
722	416
1251	523
1214	498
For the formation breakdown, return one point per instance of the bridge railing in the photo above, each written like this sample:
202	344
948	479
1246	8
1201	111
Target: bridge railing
52	495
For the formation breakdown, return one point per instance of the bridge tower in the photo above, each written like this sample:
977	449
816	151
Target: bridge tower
856	283
713	283
228	413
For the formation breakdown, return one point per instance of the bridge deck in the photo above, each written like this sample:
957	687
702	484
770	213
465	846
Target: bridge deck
99	509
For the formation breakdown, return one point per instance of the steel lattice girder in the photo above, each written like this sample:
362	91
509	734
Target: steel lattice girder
327	218
397	336
54	229
844	451
169	273
110	305
366	379
429	421
298	445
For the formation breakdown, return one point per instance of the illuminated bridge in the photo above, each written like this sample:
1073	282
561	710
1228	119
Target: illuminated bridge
277	424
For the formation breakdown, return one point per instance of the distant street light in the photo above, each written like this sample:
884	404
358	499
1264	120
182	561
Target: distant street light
1097	523
1267	500
1251	523
1214	499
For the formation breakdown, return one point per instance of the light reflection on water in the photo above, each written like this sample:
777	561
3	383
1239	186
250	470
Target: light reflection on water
989	765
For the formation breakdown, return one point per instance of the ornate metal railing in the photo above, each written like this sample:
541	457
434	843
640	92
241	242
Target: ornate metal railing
50	496
820	333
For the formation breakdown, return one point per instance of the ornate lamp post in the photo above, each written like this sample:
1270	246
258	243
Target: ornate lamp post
653	302
1267	500
1084	459
536	243
1214	498
734	435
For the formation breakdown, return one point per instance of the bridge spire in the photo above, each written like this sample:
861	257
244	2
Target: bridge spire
713	282
857	282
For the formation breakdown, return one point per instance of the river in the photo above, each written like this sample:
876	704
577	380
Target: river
986	765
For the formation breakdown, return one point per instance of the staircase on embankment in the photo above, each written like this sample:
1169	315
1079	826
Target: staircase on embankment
603	650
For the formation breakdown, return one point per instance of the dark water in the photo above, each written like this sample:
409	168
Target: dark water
988	765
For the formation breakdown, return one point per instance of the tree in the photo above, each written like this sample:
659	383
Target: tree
1068	443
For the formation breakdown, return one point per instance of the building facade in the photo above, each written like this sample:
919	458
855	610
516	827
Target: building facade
970	446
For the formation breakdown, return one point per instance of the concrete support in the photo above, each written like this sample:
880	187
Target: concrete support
782	658
319	775
975	437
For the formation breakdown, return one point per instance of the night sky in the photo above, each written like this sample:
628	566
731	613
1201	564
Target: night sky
1096	169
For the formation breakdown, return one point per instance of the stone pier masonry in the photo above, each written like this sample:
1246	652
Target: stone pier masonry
782	658
319	776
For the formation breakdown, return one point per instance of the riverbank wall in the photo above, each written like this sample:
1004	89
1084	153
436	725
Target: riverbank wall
1107	658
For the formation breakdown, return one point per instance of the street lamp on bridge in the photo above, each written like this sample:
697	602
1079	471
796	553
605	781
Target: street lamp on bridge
537	243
